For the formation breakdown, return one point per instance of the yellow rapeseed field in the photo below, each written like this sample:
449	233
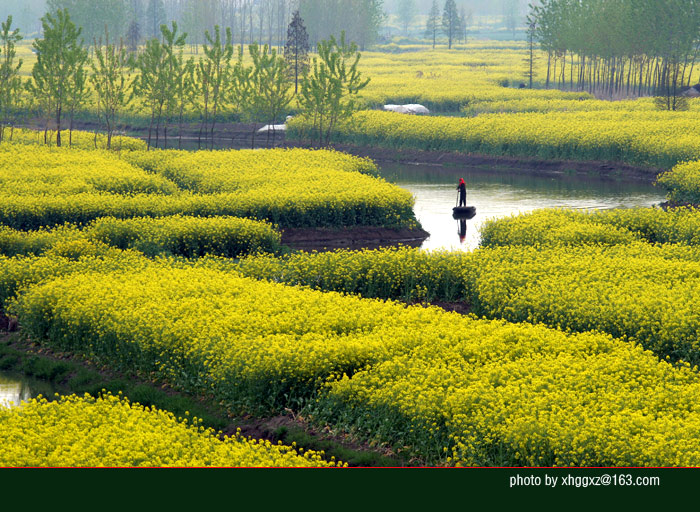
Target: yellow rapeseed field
646	138
292	188
454	389
111	432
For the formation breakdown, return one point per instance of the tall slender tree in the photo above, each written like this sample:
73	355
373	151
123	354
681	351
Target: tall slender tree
173	72
407	13
432	26
296	51
133	35
616	48
135	25
270	84
56	75
361	20
78	93
155	17
532	55
511	14
95	16
240	91
111	81
367	22
160	68
465	19
211	74
329	92
149	86
10	81
450	22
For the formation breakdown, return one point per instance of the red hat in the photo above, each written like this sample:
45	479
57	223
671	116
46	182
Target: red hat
461	181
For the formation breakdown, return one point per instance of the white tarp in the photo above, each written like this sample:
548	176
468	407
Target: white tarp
417	109
411	108
270	128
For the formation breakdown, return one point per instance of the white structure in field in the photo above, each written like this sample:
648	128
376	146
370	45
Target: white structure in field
412	109
272	128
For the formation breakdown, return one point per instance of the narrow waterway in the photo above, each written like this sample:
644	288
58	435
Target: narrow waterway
496	195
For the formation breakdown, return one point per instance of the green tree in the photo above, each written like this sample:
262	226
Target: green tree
406	12
329	92
58	74
668	91
240	91
296	51
172	72
160	68
149	86
432	26
450	21
183	90
133	35
465	19
95	16
369	17
511	15
155	18
111	80
77	92
10	81
361	20
271	85
618	48
211	74
532	55
134	28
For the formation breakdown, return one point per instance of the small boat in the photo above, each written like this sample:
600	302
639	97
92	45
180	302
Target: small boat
464	212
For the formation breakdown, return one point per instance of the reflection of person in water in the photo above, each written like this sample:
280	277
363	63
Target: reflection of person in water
462	230
462	187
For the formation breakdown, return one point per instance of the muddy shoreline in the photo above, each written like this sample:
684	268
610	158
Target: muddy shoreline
498	164
360	237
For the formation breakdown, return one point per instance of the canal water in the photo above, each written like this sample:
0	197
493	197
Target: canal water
496	195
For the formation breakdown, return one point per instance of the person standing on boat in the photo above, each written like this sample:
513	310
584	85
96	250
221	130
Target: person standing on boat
462	187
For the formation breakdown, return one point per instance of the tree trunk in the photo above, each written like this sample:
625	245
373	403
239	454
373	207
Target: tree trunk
70	129
58	127
150	128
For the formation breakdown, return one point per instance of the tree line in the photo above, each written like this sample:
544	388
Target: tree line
160	81
619	47
450	22
262	21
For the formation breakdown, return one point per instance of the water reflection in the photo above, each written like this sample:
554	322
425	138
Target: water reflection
462	230
16	388
13	390
497	194
462	214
